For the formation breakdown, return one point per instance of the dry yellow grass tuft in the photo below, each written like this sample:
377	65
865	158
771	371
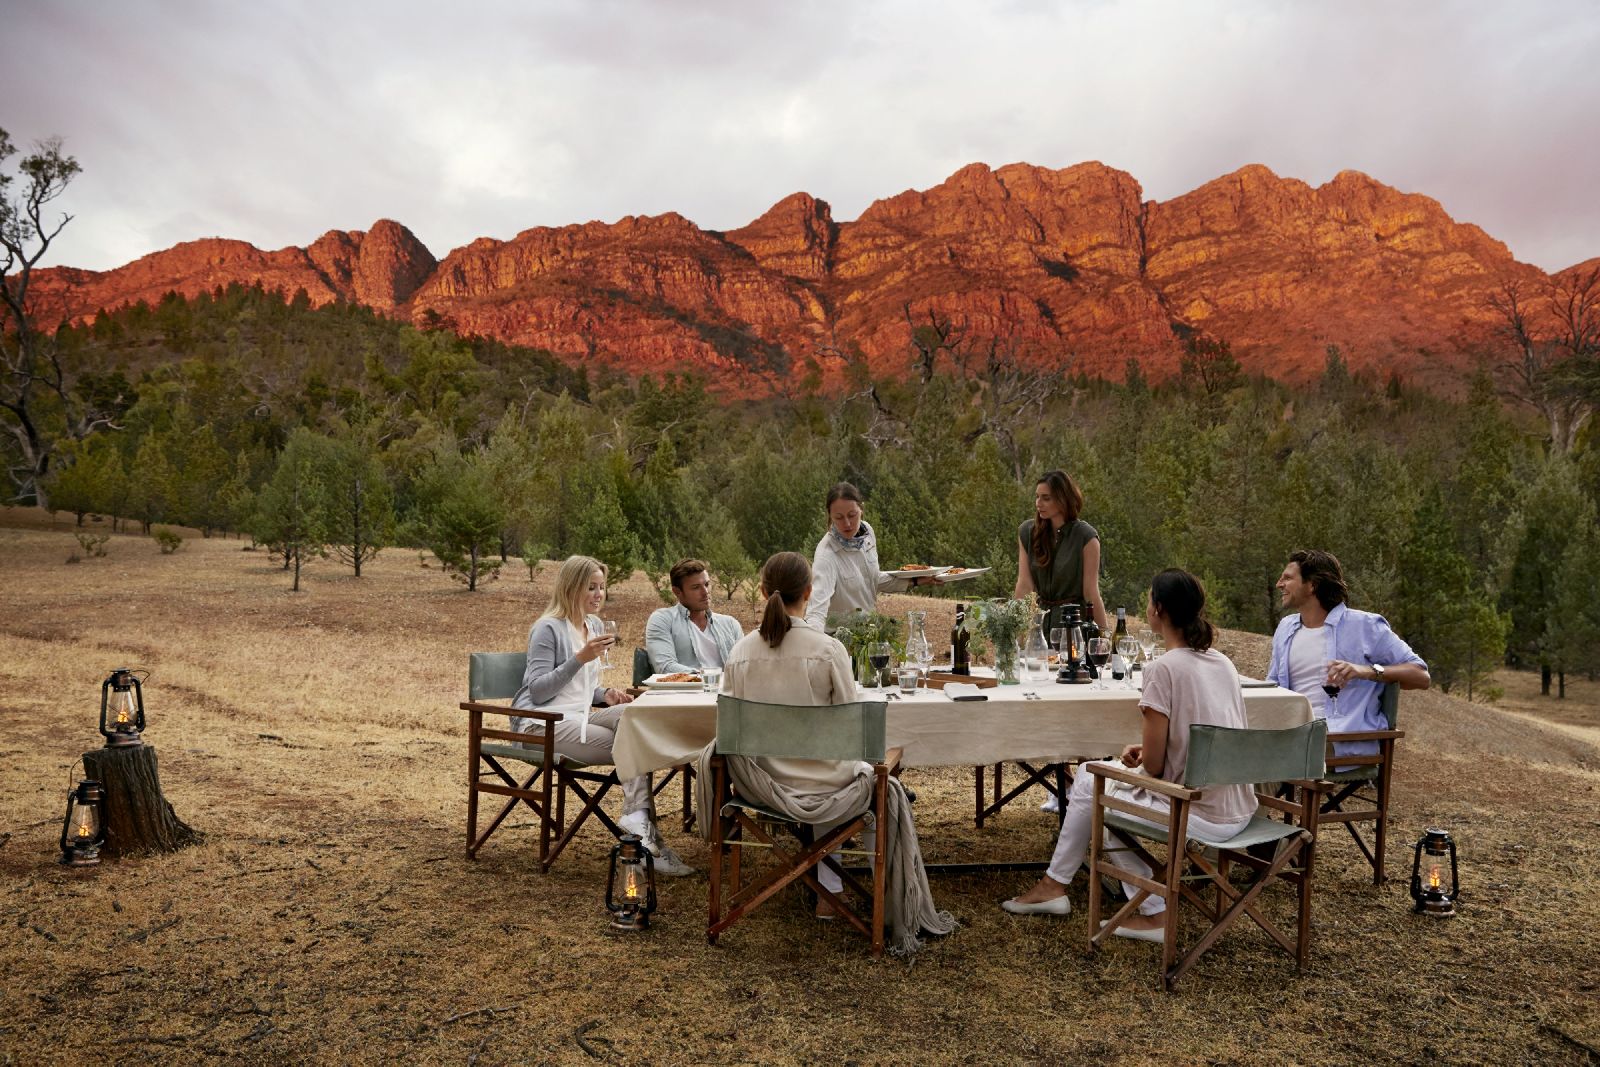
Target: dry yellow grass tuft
331	916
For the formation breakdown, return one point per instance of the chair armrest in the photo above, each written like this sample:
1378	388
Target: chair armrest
1367	735
1143	781
891	760
500	709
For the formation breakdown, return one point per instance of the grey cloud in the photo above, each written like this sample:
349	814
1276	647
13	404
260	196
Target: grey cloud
273	123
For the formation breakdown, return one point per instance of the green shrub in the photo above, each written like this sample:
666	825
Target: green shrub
93	544
168	540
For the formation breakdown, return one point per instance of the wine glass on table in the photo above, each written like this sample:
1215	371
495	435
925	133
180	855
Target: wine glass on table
1128	649
1100	655
1147	644
1058	642
609	628
919	652
878	657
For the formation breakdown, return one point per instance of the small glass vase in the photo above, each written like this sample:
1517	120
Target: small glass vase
1006	655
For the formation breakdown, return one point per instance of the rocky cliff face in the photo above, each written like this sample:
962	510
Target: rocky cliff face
381	267
1063	268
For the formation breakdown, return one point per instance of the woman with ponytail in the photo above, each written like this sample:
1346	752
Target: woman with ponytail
790	661
1191	684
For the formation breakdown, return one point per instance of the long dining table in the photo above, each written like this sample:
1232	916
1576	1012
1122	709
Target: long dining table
1042	721
1039	721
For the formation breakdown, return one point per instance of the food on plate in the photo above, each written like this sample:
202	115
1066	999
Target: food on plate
916	567
678	677
955	570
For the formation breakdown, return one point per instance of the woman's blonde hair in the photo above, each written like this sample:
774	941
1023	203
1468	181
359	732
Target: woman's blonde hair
572	588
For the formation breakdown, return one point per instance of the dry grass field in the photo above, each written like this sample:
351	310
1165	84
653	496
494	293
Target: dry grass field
331	917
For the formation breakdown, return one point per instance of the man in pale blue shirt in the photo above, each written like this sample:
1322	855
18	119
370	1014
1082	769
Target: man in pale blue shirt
1325	642
688	636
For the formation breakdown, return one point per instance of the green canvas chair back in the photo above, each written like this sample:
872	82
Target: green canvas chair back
641	667
833	732
495	675
1220	755
1389	704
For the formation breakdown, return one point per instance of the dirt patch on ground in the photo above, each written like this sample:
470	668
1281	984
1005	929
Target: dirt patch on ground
331	915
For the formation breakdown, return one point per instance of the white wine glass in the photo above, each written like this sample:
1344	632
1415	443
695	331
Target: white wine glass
919	652
609	628
1128	649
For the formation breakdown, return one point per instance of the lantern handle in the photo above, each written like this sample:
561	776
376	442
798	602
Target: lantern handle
71	781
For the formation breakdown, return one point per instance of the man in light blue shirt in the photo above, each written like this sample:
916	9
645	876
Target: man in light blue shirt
1326	643
688	636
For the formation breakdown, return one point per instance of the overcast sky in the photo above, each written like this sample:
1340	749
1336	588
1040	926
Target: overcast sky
276	121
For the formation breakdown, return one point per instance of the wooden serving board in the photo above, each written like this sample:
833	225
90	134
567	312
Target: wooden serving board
939	679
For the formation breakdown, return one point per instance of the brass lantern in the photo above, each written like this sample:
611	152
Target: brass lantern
83	831
122	709
631	884
1435	882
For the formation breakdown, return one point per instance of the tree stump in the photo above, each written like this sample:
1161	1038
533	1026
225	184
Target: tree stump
138	818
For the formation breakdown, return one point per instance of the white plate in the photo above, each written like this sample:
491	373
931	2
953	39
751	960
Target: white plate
920	572
970	572
653	682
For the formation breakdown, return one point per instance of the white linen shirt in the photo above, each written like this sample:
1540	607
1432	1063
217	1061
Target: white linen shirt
808	669
847	580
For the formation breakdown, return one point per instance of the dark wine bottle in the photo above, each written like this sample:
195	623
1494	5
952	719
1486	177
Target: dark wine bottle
960	662
1119	668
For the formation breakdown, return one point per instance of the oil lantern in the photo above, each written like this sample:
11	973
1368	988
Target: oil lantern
122	709
1435	882
631	884
83	830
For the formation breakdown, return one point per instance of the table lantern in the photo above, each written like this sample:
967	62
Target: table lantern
1435	882
83	830
122	709
631	884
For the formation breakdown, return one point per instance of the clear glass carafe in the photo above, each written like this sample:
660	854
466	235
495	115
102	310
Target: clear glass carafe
919	650
1035	649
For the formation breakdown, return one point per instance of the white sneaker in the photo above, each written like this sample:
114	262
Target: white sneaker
667	861
1050	804
637	823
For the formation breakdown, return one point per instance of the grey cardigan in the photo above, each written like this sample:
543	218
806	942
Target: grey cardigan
551	664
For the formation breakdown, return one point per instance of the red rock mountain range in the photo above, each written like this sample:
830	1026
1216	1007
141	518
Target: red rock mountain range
1059	268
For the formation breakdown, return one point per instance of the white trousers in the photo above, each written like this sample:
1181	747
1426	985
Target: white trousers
1072	844
593	746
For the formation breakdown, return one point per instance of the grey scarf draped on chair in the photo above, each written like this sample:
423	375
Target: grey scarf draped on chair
908	903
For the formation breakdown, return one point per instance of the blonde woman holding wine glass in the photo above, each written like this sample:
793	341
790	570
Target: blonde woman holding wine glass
565	648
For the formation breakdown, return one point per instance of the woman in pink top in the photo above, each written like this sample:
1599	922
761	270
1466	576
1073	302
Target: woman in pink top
1191	684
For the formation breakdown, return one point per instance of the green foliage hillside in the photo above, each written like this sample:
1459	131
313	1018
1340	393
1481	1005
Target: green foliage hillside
1450	516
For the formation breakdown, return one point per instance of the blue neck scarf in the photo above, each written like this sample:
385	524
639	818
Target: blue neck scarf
857	542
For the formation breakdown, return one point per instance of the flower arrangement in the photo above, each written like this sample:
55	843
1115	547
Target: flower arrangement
1005	622
858	632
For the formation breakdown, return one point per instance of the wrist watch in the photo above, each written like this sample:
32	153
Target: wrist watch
1377	672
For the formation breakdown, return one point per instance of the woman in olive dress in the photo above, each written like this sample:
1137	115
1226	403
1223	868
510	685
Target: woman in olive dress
1058	554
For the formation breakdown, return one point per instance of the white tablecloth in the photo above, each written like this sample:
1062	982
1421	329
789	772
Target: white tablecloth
665	728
